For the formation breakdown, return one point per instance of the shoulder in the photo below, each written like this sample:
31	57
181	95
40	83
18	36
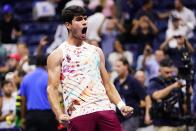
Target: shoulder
56	55
188	11
128	52
156	80
99	50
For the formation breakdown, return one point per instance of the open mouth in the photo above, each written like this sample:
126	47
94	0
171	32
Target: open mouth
84	30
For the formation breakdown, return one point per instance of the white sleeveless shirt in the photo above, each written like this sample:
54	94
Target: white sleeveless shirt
83	89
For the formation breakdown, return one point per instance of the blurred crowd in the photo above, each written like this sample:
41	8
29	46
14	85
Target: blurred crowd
149	51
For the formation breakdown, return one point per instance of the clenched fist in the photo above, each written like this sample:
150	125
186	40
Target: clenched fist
126	110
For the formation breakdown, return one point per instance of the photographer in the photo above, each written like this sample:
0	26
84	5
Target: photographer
177	49
167	98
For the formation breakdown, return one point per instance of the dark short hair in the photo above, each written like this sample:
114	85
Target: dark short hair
124	61
167	62
5	82
71	11
99	8
41	60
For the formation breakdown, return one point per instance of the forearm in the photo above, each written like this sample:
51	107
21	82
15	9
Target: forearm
54	100
134	29
164	45
120	28
148	105
164	15
113	94
154	28
163	93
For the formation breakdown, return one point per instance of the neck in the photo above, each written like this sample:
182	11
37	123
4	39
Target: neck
180	9
145	8
74	41
124	76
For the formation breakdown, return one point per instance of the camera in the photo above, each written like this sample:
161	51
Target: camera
185	70
166	107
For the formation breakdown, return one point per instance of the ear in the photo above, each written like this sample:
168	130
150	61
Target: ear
68	25
159	69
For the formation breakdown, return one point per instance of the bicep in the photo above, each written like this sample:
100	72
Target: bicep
103	71
54	68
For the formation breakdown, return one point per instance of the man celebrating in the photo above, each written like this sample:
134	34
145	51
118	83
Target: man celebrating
87	92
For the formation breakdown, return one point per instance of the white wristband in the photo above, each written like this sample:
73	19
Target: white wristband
120	105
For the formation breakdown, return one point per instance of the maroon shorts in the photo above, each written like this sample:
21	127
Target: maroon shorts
97	121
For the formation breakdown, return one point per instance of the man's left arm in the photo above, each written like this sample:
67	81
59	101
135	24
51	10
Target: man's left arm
110	89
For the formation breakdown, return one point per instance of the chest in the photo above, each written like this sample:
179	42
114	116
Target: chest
80	58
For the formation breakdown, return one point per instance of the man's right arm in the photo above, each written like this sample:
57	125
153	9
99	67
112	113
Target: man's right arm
54	68
160	94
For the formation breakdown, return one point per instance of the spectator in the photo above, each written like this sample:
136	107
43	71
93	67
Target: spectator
8	106
144	28
94	23
167	98
177	28
145	120
159	55
147	62
24	64
88	12
177	51
61	35
131	92
39	116
118	53
9	27
109	31
8	69
108	6
129	9
186	16
11	63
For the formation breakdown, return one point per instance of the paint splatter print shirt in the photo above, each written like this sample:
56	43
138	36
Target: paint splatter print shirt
83	90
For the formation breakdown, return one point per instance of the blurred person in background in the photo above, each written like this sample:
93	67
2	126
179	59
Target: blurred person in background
108	31
177	27
147	62
11	63
186	17
159	55
143	27
9	27
24	64
168	100
145	120
7	117
131	92
109	8
119	52
61	35
36	110
182	48
94	23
